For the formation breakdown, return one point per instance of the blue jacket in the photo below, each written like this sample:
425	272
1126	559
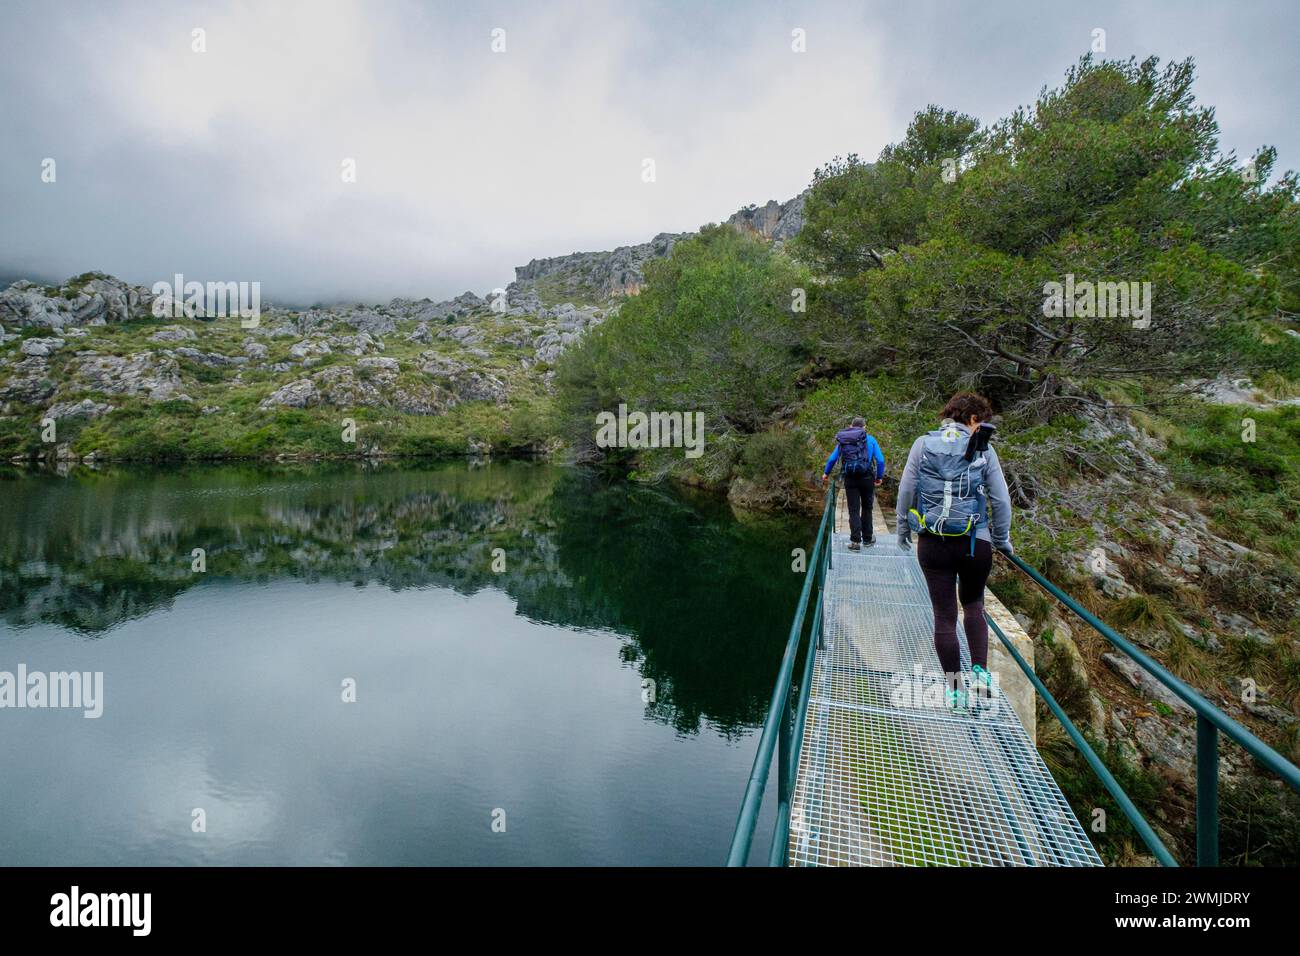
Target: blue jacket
873	454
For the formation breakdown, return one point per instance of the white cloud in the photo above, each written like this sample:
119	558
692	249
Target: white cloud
226	164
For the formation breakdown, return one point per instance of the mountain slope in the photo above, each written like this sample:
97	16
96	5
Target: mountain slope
467	375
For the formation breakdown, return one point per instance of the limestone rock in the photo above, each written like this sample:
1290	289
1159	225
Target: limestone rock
429	399
173	333
90	299
463	383
211	359
1144	683
41	347
300	394
1270	712
1238	626
426	311
598	275
86	408
773	220
309	347
359	344
1170	743
144	373
340	386
421	334
30	383
464	334
369	321
1185	553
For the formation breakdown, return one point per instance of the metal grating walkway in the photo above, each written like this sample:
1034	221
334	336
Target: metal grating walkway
887	775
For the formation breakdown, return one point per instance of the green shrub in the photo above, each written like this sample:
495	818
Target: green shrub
771	462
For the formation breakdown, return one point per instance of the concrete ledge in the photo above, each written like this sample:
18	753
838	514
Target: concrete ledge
1006	671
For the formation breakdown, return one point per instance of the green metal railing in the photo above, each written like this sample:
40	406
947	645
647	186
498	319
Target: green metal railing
786	717
1126	805
783	728
1209	721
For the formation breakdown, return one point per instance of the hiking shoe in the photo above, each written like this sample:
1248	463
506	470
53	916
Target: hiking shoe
956	701
869	542
855	546
981	687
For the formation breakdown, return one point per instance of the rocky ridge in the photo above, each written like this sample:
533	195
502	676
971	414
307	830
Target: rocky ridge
77	351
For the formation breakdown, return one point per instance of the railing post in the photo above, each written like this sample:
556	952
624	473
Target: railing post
783	757
785	743
1207	793
830	532
821	627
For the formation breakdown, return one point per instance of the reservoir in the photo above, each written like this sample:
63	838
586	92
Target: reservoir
435	664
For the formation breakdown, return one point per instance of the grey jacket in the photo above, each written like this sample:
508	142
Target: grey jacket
999	498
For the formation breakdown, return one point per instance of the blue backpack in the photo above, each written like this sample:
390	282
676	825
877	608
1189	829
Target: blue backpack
853	451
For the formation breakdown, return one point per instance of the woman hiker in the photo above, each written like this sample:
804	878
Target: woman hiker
953	495
862	466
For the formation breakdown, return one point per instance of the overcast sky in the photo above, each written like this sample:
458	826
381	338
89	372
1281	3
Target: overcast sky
227	164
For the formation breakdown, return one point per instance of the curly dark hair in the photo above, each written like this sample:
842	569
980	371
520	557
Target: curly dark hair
965	404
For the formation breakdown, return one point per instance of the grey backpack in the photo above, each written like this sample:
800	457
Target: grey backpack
950	493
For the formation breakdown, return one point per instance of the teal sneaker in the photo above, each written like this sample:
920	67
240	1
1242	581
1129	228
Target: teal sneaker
981	687
956	700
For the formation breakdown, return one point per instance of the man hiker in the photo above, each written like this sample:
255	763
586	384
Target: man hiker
862	466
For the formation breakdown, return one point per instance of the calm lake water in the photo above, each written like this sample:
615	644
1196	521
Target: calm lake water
516	693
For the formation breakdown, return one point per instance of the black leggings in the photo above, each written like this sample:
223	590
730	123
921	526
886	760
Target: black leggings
952	572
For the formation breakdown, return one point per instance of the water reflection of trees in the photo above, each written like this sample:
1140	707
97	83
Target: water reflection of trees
699	599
